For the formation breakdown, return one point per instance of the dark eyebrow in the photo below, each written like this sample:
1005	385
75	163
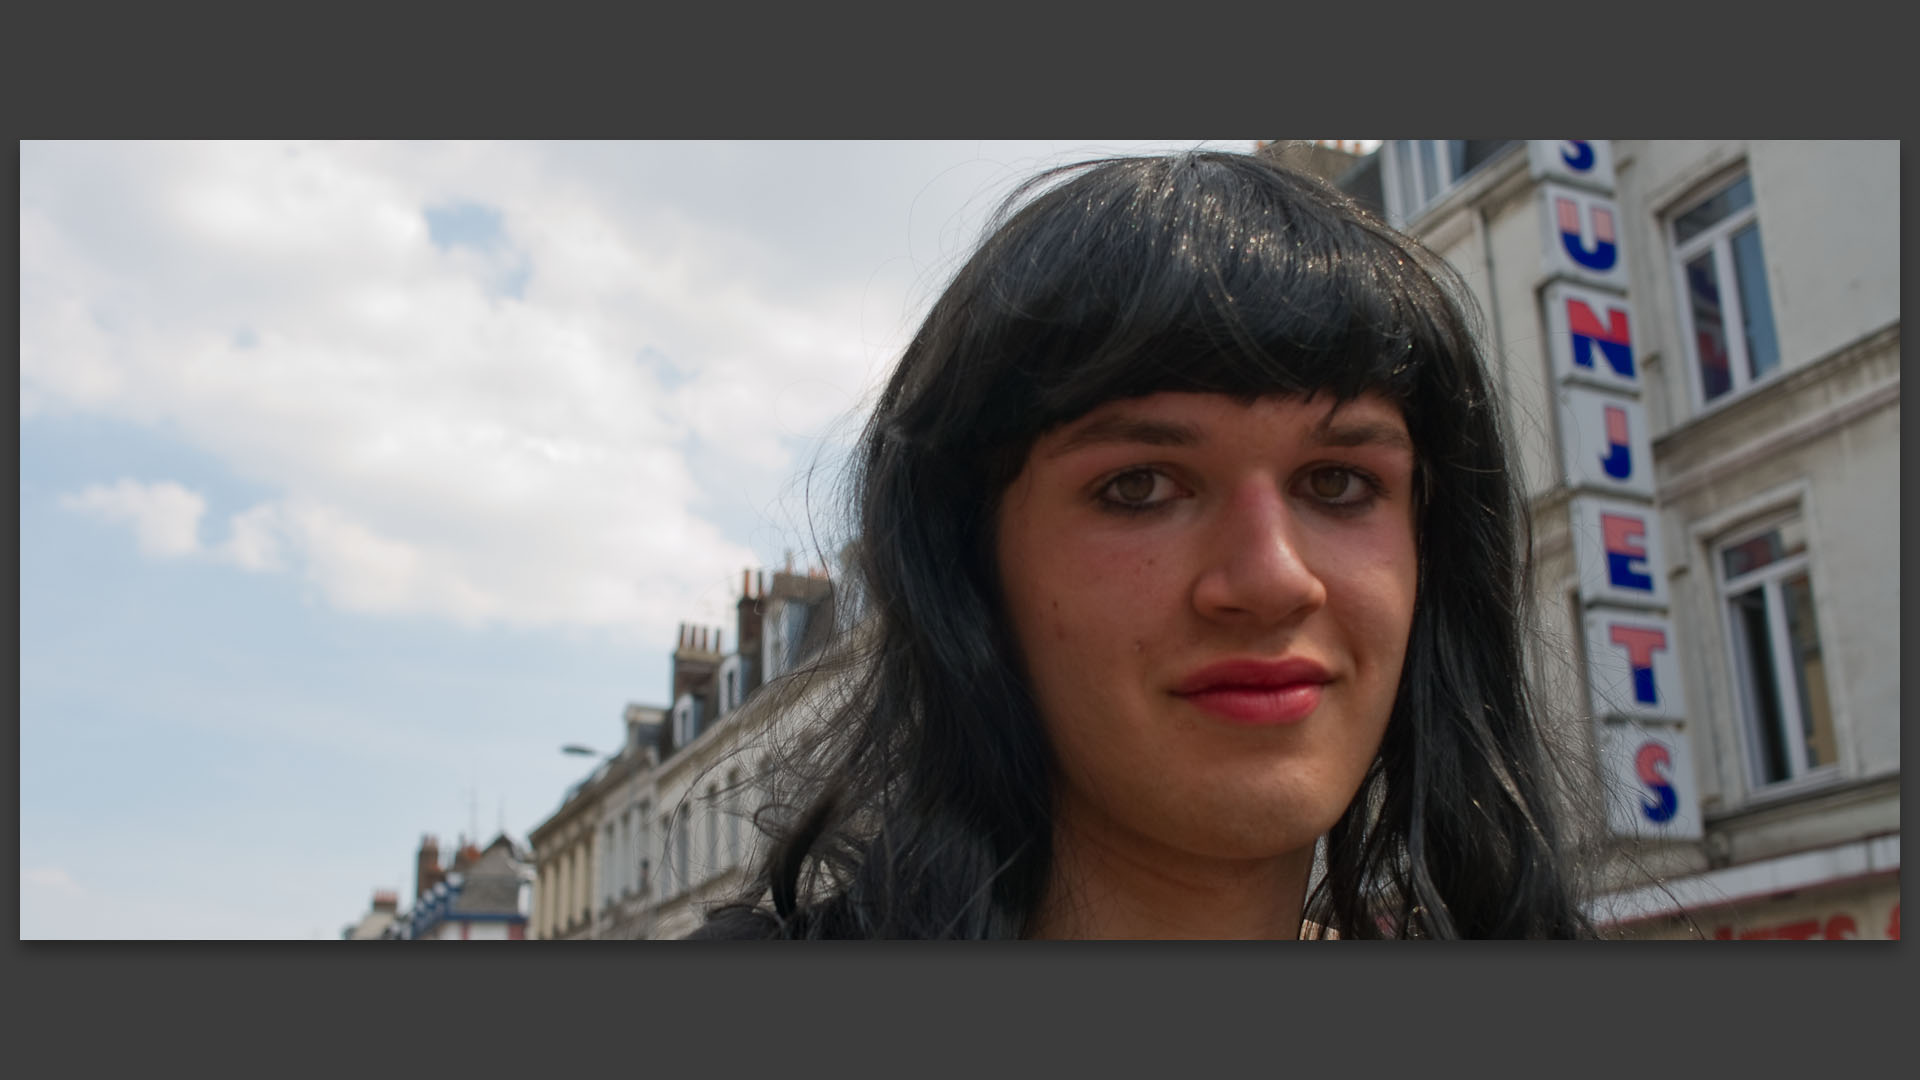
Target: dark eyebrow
1363	433
1129	429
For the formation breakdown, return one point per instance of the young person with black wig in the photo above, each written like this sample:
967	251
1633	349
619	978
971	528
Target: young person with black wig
1186	548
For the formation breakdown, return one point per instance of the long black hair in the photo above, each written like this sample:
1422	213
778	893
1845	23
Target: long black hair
916	801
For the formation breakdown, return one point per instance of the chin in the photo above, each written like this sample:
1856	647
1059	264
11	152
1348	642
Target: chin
1261	832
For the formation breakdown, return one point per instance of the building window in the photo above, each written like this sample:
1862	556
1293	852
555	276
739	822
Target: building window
637	848
798	616
1724	306
579	903
641	842
1787	721
686	720
629	857
1417	172
543	899
774	641
668	884
625	860
680	877
727	686
609	871
712	831
784	629
735	799
588	858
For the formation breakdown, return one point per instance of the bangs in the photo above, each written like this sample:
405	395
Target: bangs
1202	273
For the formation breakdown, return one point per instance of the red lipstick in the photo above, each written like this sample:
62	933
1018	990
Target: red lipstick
1256	692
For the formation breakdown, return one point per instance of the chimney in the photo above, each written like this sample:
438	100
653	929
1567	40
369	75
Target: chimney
386	900
427	872
748	614
694	661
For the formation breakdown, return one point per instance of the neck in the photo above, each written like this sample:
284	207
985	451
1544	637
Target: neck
1102	887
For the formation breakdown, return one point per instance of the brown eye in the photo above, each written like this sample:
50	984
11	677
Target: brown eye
1330	484
1133	487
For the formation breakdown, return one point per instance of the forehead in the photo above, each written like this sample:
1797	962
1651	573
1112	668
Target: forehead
1198	419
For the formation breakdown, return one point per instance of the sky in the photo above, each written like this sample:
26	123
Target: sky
357	479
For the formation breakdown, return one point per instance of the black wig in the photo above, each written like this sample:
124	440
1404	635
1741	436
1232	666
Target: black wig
917	803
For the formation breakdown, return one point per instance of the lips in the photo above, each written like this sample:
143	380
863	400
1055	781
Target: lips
1256	692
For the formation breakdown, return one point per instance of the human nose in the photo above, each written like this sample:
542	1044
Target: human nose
1256	569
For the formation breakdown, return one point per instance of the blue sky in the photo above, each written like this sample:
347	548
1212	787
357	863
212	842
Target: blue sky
356	479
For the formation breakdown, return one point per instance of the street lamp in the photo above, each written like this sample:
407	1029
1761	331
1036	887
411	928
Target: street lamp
581	751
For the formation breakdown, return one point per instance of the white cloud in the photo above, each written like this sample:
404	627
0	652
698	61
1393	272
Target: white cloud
52	878
254	539
165	517
434	447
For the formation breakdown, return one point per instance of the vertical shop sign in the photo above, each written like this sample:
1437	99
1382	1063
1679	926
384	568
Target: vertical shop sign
1633	672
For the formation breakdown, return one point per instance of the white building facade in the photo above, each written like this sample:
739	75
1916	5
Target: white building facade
1700	346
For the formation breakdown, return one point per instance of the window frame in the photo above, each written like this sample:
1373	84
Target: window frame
618	838
1748	716
1718	239
1404	164
668	885
726	691
642	843
682	843
734	801
712	830
686	720
623	836
1407	168
609	866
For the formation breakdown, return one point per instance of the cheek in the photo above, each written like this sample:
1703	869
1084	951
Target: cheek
1071	601
1371	589
1080	607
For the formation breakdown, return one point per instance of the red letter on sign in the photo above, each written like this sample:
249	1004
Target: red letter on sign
1640	643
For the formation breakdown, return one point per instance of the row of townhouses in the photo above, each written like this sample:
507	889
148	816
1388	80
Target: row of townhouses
477	895
664	825
659	827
